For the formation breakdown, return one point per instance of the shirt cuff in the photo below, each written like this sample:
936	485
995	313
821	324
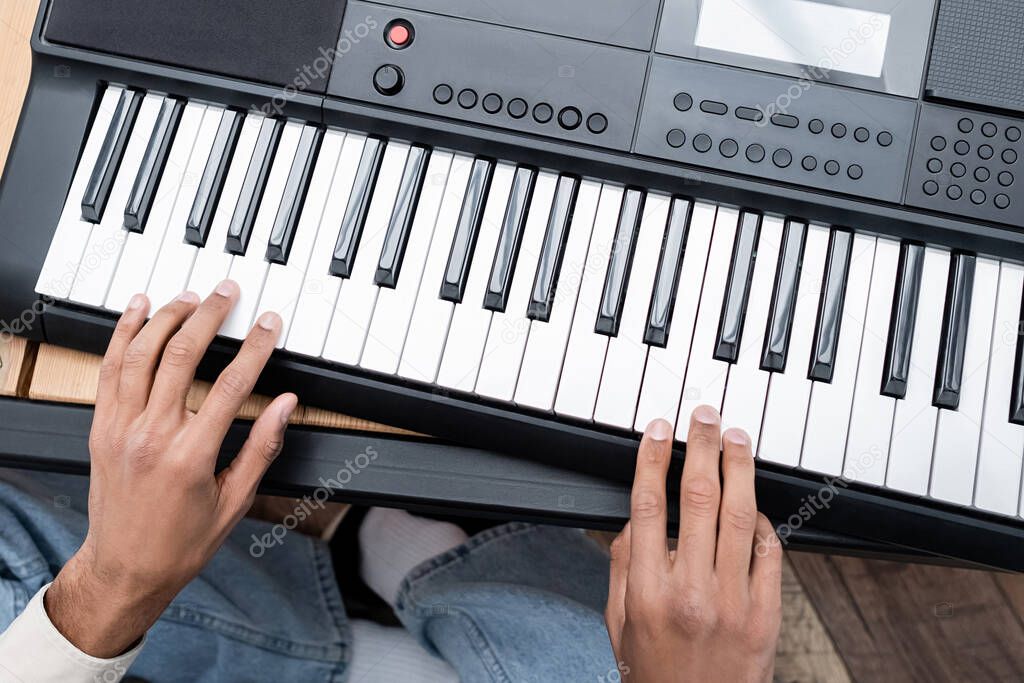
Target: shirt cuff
32	649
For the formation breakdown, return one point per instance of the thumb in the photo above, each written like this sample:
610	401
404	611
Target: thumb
266	438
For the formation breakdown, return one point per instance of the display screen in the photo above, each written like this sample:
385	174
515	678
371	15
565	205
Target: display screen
826	36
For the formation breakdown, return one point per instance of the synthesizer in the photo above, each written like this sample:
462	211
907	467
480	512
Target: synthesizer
537	229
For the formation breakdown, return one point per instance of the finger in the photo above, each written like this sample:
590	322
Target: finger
185	349
237	380
648	514
266	438
737	518
143	354
699	494
615	608
131	321
766	569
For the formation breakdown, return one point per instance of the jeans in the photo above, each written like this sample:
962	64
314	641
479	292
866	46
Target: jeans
515	603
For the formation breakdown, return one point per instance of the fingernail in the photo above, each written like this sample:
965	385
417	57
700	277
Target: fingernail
287	409
706	415
659	430
737	437
136	302
269	321
188	298
226	288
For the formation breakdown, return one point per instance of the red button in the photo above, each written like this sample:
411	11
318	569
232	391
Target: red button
398	35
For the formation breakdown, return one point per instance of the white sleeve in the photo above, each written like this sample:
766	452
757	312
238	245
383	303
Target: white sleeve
33	650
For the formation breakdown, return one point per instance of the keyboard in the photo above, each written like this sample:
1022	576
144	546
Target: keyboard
523	301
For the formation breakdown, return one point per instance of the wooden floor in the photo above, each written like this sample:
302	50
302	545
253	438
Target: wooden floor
844	618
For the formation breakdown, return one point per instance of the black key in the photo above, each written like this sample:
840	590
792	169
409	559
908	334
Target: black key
136	212
780	314
358	205
620	263
896	369
397	237
670	262
737	290
253	186
466	231
553	249
511	237
953	342
97	192
830	307
1017	388
294	197
212	183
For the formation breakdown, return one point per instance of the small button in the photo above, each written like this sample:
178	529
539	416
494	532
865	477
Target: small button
713	107
957	170
815	126
954	192
861	135
749	114
675	138
785	120
492	103
570	118
809	163
855	172
965	125
388	80
1013	133
981	174
838	130
782	158
443	94
467	98
962	147
728	148
597	123
989	129
398	34
543	112
930	187
1005	178
934	165
885	139
831	167
938	143
1001	201
755	153
682	102
702	143
517	107
1009	156
978	196
985	151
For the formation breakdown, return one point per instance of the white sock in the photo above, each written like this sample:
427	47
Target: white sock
384	654
393	542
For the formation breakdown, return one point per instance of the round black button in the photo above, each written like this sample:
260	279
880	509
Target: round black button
985	151
962	147
855	171
831	167
885	139
954	192
443	94
702	143
597	123
934	165
388	79
492	103
728	148
543	112
861	135
755	153
1013	133
938	143
570	118
467	98
682	101
1009	156
517	108
782	158
1005	178
1001	201
989	129
965	125
815	126
930	187
838	130
675	138
978	196
809	163
981	174
957	170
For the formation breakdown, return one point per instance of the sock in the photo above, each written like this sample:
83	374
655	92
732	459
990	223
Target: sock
383	654
393	542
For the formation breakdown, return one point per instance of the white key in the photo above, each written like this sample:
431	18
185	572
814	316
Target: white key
69	238
394	308
141	249
463	350
545	347
627	353
828	413
867	445
997	488
706	376
666	366
213	261
506	339
250	270
284	281
584	357
431	315
92	281
320	289
789	392
745	394
354	307
913	428
958	432
174	263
